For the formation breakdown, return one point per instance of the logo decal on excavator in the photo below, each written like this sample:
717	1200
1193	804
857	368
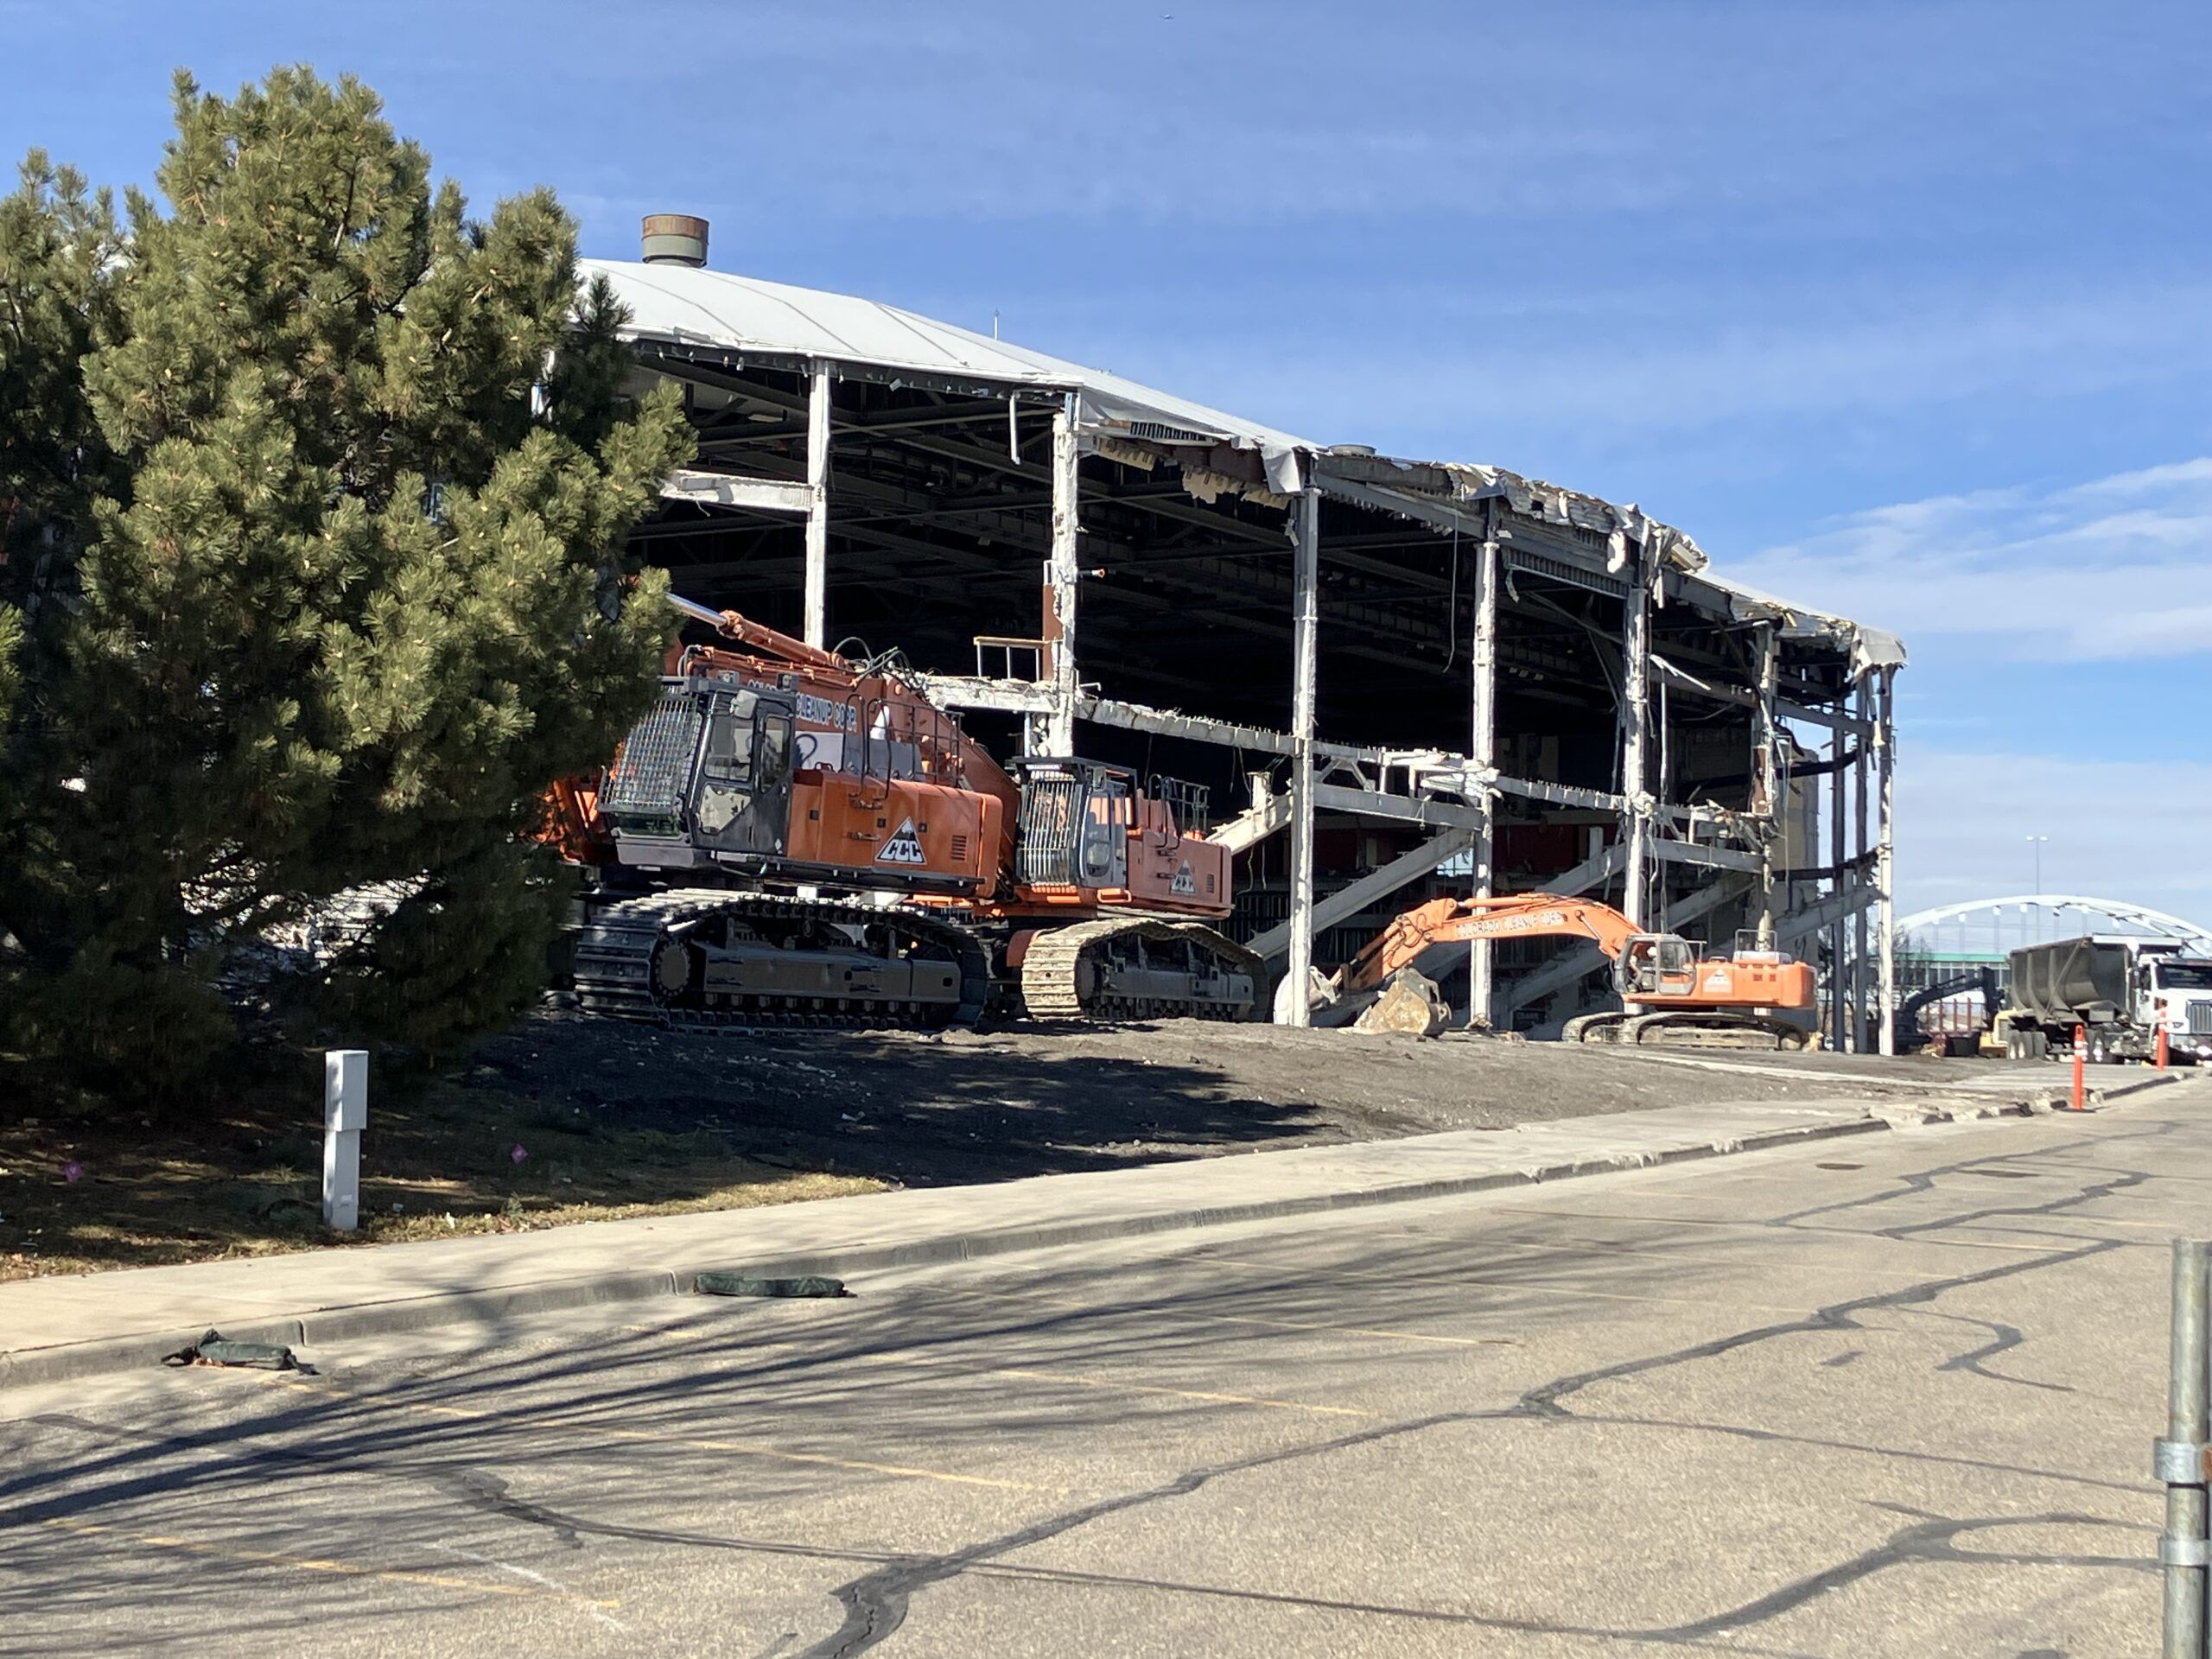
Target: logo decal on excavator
1184	882
904	847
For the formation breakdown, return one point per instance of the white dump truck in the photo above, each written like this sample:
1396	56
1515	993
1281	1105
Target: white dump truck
2120	989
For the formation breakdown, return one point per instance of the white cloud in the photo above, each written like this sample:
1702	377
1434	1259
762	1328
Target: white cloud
2125	830
2117	567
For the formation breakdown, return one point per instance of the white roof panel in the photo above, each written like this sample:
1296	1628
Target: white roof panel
716	308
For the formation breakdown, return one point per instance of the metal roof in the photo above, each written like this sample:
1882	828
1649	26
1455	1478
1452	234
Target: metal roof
684	305
689	304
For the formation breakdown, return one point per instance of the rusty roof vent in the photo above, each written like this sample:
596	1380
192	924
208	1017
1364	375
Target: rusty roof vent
675	239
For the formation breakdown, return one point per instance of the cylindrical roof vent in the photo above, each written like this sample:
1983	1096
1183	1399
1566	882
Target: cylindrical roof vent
675	239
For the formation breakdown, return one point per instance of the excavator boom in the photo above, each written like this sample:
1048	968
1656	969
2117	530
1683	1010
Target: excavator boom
1447	921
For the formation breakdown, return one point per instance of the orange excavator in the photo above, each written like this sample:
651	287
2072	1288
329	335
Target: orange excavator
1669	994
796	838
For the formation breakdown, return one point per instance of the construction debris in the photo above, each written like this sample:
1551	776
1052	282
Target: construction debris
1410	1003
216	1349
739	1284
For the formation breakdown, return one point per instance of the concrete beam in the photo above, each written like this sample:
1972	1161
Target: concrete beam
1348	902
736	490
1828	910
1703	856
1407	808
997	696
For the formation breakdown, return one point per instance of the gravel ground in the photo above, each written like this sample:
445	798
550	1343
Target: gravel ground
977	1107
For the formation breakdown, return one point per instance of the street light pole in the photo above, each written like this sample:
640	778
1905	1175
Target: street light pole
2036	842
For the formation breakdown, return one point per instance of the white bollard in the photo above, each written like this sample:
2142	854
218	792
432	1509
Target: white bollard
345	1114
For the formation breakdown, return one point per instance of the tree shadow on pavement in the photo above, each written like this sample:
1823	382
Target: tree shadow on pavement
1012	1399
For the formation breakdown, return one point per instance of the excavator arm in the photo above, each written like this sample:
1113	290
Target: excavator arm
1447	921
934	732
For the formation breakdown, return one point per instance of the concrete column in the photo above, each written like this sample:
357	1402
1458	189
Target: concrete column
1482	750
1766	773
345	1114
817	511
1635	727
1838	930
1860	959
1886	927
1306	534
1060	580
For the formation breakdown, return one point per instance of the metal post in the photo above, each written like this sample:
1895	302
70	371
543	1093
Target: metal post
345	1114
1482	751
1636	695
1766	796
1859	840
2178	1459
1885	854
817	509
1060	579
1305	638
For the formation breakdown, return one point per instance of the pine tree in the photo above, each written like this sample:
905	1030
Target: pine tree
357	592
57	242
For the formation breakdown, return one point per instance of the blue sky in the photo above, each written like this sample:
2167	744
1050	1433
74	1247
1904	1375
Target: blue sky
1904	309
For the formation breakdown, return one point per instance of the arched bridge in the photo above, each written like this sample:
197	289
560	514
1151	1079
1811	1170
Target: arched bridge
2130	917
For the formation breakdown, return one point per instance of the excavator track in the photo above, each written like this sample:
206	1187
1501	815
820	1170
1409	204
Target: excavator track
1131	967
1688	1028
707	958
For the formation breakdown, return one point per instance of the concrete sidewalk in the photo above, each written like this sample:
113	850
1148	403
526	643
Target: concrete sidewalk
59	1329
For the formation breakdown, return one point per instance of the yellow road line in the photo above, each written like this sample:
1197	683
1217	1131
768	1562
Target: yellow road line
648	1437
318	1564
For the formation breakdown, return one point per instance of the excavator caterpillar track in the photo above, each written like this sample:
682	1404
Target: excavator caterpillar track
1688	1028
1130	967
706	959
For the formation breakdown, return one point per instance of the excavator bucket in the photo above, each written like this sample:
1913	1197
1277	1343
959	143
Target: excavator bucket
1410	1005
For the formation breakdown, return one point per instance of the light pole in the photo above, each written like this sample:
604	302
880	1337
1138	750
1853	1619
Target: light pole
2036	842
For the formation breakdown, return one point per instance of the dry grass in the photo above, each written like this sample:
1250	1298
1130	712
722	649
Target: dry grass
82	1193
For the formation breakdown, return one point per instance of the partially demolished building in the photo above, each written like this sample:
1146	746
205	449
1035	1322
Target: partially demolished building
1394	677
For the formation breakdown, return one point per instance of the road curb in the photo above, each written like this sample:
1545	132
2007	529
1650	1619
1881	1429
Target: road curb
2120	1090
79	1361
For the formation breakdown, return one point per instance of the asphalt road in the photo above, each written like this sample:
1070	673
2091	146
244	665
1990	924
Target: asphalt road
1887	1395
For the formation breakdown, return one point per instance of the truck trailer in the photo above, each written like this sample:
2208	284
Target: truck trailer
2120	991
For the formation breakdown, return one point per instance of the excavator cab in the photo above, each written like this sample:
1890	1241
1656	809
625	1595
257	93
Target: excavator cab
1076	817
1655	964
708	771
